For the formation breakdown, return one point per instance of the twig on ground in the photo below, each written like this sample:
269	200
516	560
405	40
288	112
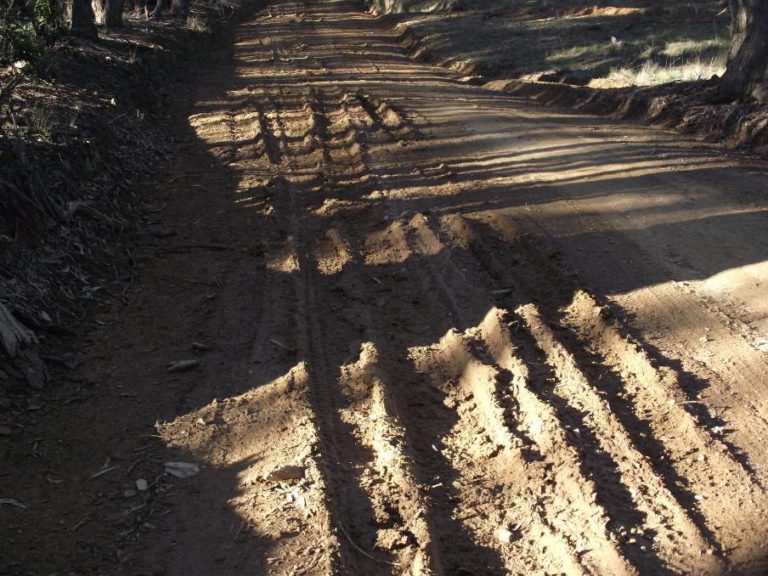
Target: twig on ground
363	552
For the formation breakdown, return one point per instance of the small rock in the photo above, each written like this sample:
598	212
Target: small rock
182	469
287	473
183	365
129	493
141	485
391	539
504	535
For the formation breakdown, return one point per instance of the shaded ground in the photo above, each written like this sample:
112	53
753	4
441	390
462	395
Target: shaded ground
649	61
575	41
78	137
440	330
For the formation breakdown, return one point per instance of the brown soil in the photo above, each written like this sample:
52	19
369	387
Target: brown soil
438	330
552	51
79	138
686	107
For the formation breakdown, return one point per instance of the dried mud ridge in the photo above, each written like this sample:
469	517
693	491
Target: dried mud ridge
420	389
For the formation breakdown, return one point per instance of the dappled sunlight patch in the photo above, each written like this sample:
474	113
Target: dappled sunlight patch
688	48
334	206
197	431
650	208
604	11
743	289
332	253
387	246
259	456
284	259
651	74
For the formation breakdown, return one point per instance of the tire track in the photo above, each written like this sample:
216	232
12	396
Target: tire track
533	527
388	118
403	516
372	491
473	296
351	514
665	515
420	513
572	496
685	450
616	483
691	455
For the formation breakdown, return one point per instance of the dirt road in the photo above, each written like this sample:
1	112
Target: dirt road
440	331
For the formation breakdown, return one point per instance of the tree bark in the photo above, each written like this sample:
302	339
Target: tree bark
387	6
746	77
178	8
140	8
81	19
109	12
13	334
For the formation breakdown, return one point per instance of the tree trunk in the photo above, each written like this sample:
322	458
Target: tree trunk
140	8
159	7
747	74
109	12
81	19
178	8
388	6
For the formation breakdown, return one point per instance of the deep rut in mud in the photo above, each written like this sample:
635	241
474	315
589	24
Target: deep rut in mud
415	357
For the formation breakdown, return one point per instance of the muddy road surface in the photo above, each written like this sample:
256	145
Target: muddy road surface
438	330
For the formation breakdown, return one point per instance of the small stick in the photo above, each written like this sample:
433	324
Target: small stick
116	118
104	471
243	524
82	521
281	345
363	552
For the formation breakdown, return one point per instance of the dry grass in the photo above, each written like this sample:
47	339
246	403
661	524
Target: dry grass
651	74
685	48
198	23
